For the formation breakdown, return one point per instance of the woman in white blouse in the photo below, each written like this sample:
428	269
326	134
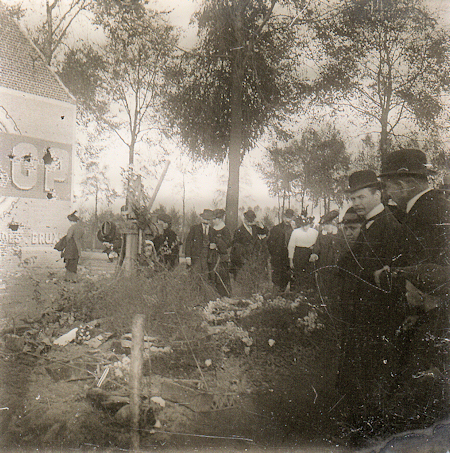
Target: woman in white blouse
299	250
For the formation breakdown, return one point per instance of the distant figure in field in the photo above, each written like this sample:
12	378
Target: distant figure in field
197	244
300	247
72	251
247	242
219	253
325	254
166	243
277	244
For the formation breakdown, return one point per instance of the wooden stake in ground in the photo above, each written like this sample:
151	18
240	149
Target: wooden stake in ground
137	348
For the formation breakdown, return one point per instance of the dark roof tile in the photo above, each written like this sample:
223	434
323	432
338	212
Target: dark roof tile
22	67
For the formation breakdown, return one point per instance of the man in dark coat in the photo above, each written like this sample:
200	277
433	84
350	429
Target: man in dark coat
197	244
219	253
247	242
424	261
166	243
325	255
72	251
277	244
370	357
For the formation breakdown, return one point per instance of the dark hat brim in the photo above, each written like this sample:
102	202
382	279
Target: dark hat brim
424	172
375	184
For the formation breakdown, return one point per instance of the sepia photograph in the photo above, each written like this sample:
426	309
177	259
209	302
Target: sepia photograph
225	226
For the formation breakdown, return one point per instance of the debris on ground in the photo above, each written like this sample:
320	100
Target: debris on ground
251	369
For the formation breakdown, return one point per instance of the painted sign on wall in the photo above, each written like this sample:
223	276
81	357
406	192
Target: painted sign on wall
34	168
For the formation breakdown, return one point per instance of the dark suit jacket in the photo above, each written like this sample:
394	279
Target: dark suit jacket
277	244
379	309
222	239
427	230
378	245
244	244
194	241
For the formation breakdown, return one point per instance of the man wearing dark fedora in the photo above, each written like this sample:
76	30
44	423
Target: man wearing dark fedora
425	258
197	244
370	358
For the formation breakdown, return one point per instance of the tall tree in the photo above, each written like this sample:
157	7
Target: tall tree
60	16
387	60
229	86
313	166
96	185
126	73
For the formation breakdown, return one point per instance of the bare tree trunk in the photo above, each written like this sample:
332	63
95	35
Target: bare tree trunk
234	155
183	222
94	227
47	49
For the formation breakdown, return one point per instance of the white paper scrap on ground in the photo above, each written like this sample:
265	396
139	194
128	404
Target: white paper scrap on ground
67	337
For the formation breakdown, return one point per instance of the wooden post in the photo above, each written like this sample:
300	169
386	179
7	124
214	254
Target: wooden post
158	186
131	246
137	348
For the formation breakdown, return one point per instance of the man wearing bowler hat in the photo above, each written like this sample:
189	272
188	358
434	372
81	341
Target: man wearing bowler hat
424	261
404	175
371	359
197	244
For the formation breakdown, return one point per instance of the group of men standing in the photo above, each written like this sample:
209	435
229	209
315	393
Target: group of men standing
385	274
214	253
394	297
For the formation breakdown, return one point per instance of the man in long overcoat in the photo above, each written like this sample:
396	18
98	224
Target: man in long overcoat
247	244
425	260
370	360
197	244
277	244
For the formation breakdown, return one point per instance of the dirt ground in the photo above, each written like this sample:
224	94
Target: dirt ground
250	373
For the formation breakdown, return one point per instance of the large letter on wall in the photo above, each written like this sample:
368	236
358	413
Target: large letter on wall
58	170
24	166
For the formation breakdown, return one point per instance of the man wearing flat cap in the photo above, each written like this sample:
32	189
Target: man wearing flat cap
424	262
197	244
376	309
277	244
247	241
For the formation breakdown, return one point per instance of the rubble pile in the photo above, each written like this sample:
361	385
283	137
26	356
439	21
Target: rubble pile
84	365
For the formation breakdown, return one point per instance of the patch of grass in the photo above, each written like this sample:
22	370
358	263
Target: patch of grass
169	301
252	278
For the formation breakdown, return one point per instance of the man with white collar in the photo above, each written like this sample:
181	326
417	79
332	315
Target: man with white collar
427	220
425	262
370	359
378	242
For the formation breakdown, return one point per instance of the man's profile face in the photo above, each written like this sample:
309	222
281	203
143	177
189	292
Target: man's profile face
364	200
397	192
351	231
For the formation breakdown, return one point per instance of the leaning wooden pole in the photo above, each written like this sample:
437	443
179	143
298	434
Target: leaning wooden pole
158	185
137	348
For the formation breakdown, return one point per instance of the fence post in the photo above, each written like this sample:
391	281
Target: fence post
137	348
